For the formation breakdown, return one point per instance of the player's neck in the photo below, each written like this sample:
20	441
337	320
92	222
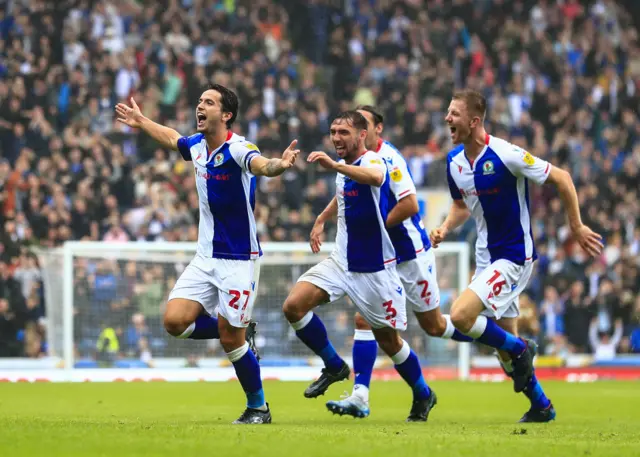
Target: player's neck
356	156
474	147
216	139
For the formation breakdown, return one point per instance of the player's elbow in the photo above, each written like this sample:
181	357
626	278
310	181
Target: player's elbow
378	180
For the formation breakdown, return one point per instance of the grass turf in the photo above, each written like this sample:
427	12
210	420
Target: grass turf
193	419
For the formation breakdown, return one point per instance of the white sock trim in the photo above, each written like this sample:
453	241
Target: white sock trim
237	354
302	323
449	329
478	327
403	354
364	335
361	391
187	333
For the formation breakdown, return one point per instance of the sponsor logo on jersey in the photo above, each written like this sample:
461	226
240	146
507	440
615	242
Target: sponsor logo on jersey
479	193
399	290
251	146
396	175
487	168
376	161
350	193
218	159
528	159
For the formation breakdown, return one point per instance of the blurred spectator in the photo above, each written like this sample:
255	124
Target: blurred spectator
562	79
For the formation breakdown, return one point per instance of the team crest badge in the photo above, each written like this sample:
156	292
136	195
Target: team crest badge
487	168
218	159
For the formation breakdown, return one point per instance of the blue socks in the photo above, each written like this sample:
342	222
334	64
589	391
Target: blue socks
533	391
313	333
487	332
248	372
206	328
535	394
365	351
408	366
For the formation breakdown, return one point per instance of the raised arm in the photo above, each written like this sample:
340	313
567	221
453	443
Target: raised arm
133	117
261	166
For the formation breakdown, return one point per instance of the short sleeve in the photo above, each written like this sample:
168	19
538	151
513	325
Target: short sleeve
372	160
522	163
453	189
243	153
401	183
184	148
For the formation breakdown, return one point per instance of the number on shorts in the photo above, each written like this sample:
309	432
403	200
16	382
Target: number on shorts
497	287
236	297
424	294
390	310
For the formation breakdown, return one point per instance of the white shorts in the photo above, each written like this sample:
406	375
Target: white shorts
419	279
379	296
499	286
229	285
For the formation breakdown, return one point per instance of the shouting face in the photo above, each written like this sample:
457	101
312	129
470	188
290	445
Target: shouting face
210	114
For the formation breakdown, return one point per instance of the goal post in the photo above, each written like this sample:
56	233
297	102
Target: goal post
104	304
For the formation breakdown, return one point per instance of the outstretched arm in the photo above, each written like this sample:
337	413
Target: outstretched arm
261	166
588	240
133	117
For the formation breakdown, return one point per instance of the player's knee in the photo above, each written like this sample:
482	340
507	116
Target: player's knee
231	338
433	327
360	323
176	323
461	320
388	340
292	309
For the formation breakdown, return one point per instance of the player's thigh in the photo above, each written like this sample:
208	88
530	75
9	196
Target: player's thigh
499	286
192	294
360	322
420	282
322	283
237	282
380	298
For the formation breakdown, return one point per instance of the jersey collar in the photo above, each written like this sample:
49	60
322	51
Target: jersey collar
380	142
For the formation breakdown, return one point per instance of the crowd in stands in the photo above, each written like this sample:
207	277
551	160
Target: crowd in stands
562	78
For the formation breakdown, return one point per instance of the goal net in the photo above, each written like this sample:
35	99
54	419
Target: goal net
105	304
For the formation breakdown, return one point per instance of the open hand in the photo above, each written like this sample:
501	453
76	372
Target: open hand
290	155
129	115
590	241
323	159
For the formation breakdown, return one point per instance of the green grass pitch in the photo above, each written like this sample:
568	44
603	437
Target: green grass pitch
193	419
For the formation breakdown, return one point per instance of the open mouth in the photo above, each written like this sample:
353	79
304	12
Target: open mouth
452	129
201	118
340	150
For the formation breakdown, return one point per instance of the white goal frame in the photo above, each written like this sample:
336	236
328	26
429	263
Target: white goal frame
72	249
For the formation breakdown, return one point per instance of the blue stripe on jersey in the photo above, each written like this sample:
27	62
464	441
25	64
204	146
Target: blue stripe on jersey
534	254
364	233
227	202
402	242
498	195
186	142
426	242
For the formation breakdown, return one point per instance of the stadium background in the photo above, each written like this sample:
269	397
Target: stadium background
562	79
